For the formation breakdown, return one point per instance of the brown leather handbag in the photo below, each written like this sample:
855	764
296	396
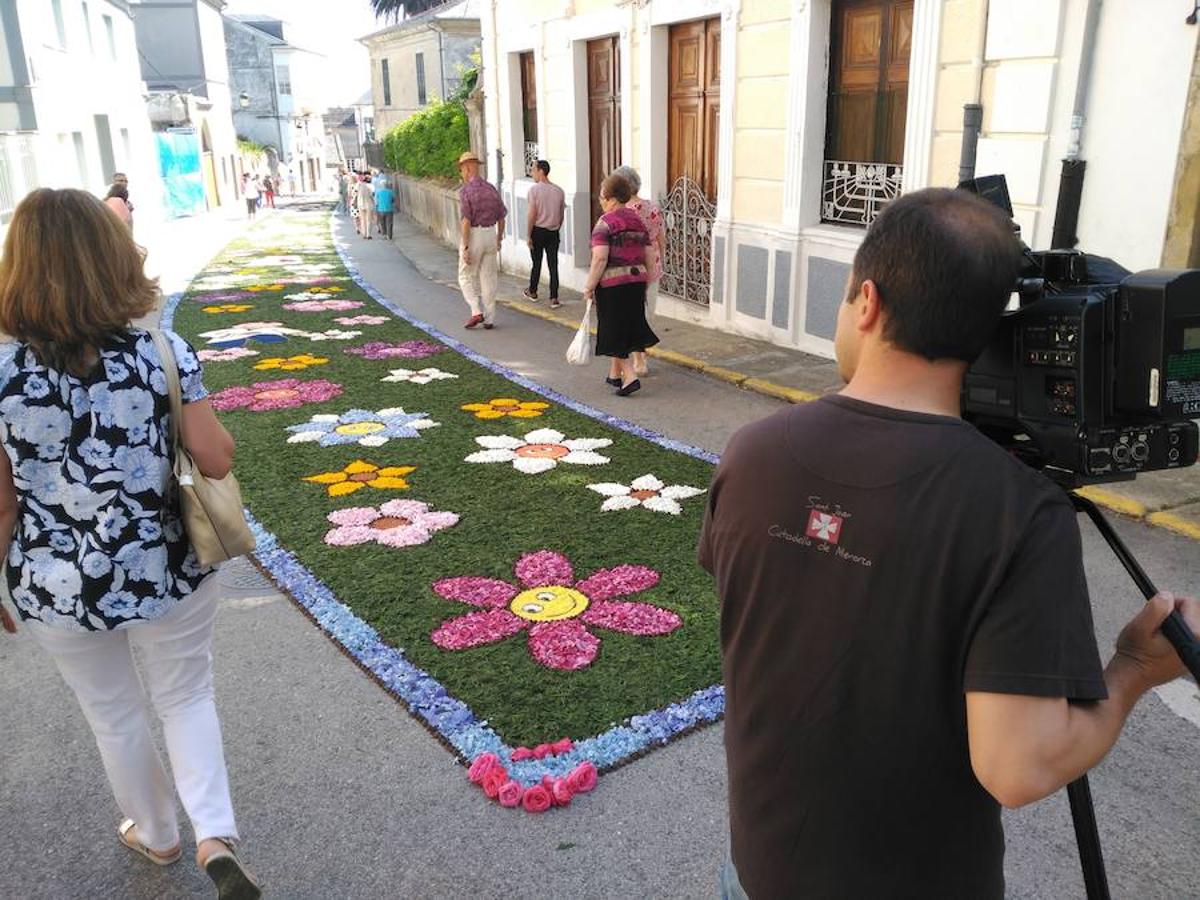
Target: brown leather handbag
211	508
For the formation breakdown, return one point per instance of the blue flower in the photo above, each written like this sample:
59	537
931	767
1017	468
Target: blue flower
36	387
142	468
115	371
112	523
149	529
95	453
153	607
80	402
96	565
138	433
119	604
158	381
62	542
42	426
361	426
132	407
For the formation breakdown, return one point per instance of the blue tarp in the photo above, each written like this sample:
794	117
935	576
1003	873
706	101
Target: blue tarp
179	165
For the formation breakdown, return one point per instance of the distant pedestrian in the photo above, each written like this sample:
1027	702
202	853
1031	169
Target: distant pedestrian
117	200
366	206
652	218
385	207
546	206
120	179
100	567
622	256
250	194
343	186
480	210
268	189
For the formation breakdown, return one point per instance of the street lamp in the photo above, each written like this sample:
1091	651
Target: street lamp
244	100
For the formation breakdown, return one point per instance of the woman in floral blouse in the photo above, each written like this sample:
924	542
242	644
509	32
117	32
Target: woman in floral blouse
652	217
98	561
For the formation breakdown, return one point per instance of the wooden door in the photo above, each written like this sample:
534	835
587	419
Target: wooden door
528	99
868	72
604	113
694	103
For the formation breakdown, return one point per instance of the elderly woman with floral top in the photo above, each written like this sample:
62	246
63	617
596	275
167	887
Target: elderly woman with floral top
652	218
98	560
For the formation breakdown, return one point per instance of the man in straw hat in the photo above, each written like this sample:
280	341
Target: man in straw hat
480	210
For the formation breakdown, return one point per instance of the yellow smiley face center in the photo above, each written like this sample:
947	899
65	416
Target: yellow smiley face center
360	428
549	604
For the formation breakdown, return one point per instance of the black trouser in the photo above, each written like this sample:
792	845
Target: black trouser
544	240
385	223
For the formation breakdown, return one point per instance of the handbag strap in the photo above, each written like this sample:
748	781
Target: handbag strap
166	355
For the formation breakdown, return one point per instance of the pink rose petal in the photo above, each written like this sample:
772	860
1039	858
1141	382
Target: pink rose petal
350	535
521	754
544	567
582	778
405	509
483	763
562	792
541	751
494	779
563	746
565	645
476	591
476	629
354	515
632	618
436	521
617	582
536	799
510	794
404	536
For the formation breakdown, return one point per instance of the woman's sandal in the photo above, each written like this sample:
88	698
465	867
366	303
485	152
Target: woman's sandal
158	857
232	879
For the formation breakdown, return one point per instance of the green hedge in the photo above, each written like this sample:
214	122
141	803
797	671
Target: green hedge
429	143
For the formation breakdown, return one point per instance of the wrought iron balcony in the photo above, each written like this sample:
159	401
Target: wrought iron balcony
853	193
532	155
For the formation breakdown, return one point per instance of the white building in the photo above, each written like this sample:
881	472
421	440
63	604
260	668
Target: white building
279	94
773	131
71	102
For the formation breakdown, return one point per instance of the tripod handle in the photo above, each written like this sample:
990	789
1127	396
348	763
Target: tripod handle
1176	630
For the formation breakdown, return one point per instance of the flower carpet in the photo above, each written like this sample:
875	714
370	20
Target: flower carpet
516	568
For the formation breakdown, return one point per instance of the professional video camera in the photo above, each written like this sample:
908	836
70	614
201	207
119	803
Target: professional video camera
1095	376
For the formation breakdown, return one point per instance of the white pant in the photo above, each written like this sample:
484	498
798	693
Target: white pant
176	662
478	278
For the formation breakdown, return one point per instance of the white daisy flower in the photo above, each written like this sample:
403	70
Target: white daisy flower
646	491
417	376
539	451
333	334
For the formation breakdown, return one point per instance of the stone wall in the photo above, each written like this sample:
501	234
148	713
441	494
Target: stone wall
432	205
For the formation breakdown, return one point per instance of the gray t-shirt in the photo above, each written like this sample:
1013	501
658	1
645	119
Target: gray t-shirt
546	202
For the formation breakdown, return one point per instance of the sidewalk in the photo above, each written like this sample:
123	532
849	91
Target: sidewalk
1169	500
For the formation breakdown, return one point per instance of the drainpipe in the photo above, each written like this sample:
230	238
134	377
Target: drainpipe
441	56
973	109
1070	184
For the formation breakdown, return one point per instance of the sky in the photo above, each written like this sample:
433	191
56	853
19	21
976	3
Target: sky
330	27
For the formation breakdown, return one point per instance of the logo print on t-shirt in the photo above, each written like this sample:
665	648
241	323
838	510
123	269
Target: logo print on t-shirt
824	526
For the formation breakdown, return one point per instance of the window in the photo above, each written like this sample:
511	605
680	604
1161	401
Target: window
529	111
283	78
386	76
420	79
111	36
870	43
60	25
87	28
80	158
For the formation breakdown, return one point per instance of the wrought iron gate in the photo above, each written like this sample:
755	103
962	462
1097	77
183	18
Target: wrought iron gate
688	219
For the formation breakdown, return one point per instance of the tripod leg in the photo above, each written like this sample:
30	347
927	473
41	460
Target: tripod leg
1087	836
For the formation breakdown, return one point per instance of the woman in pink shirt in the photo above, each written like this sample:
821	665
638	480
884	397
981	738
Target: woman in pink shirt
652	218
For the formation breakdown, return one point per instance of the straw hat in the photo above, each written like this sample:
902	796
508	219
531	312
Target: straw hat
468	157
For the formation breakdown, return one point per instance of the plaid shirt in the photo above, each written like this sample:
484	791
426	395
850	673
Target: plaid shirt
480	204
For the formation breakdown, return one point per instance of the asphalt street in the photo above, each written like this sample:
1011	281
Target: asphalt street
340	794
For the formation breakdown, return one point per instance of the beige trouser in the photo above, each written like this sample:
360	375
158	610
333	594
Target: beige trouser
478	277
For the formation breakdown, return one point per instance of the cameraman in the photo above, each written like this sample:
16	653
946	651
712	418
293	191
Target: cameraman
905	624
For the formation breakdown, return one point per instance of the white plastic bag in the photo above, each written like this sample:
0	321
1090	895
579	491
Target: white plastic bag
580	351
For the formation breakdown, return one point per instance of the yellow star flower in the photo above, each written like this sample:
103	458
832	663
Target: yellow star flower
360	474
257	288
317	289
500	407
227	308
291	363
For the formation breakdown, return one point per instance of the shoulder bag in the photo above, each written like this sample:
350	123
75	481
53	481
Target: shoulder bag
211	508
580	351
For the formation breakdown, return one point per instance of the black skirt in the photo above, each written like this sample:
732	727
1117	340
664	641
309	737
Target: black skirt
621	326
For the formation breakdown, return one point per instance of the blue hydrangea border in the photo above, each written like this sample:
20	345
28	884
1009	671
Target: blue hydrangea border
449	718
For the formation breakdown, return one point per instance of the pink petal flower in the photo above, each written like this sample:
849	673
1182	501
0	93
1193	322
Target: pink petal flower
563	746
521	754
436	521
535	800
583	777
350	535
510	794
562	792
354	515
232	398
476	629
564	645
319	391
495	778
483	763
544	567
632	618
281	384
405	509
617	582
476	591
541	751
404	536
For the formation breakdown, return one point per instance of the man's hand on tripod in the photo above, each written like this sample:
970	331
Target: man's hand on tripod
1142	648
1024	748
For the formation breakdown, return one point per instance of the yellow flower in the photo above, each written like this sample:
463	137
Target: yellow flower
291	363
500	407
227	308
317	289
360	474
256	288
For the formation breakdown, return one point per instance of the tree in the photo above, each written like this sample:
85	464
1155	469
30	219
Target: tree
398	9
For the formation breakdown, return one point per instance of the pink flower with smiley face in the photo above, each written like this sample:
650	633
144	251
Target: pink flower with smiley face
554	608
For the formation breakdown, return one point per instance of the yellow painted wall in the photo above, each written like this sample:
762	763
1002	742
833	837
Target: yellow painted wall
760	112
958	81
